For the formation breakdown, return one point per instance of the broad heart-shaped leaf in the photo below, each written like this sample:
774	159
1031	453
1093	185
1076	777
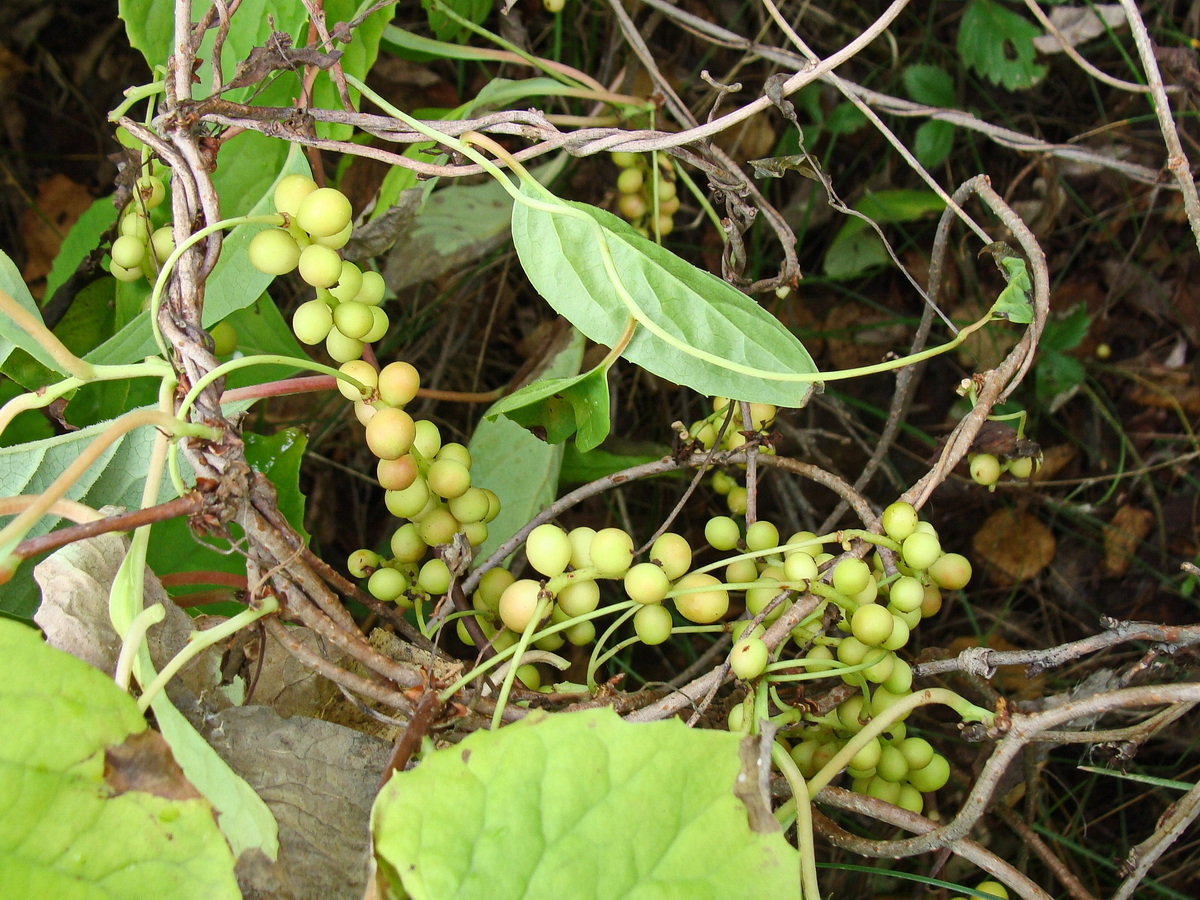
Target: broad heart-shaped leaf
234	284
561	254
579	804
998	44
562	407
68	831
522	470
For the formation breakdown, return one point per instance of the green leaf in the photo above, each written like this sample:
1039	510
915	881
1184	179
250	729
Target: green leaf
845	118
11	336
445	28
998	44
561	407
856	249
713	338
933	142
522	470
234	284
579	467
1055	374
69	832
1013	303
1066	332
81	240
557	805
931	85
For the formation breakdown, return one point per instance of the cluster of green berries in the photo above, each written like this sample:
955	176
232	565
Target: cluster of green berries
427	483
140	249
986	468
644	193
346	313
705	432
874	614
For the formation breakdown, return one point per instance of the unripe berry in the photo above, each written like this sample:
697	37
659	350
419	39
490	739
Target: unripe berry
581	546
372	289
360	371
362	563
342	348
738	501
336	241
611	551
630	181
518	604
448	478
390	433
646	583
921	550
748	658
348	284
1021	468
762	535
162	243
320	266
722	533
851	576
151	191
932	777
437	526
379	325
406	545
652	624
471	507
579	598
871	624
324	212
434	577
674	553
273	252
581	633
428	439
491	586
290	192
398	383
700	598
985	469
225	339
899	520
547	548
128	251
387	584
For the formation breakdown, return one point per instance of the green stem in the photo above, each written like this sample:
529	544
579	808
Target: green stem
539	612
134	636
199	641
804	830
631	607
133	95
67	362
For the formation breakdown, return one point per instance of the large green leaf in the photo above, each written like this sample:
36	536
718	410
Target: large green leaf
69	831
579	805
719	342
522	470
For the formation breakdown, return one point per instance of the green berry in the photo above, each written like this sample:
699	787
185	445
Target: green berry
630	181
722	533
579	598
407	502
647	583
899	520
1021	468
700	598
673	552
920	550
324	212
361	563
290	192
471	506
397	474
428	439
851	576
871	624
491	586
406	544
387	584
449	479
985	469
951	571
151	191
438	526
581	546
611	551
652	624
342	348
518	604
320	266
361	371
390	433
273	252
434	577
917	751
372	289
379	326
762	535
932	777
748	658
128	251
907	593
348	284
547	548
